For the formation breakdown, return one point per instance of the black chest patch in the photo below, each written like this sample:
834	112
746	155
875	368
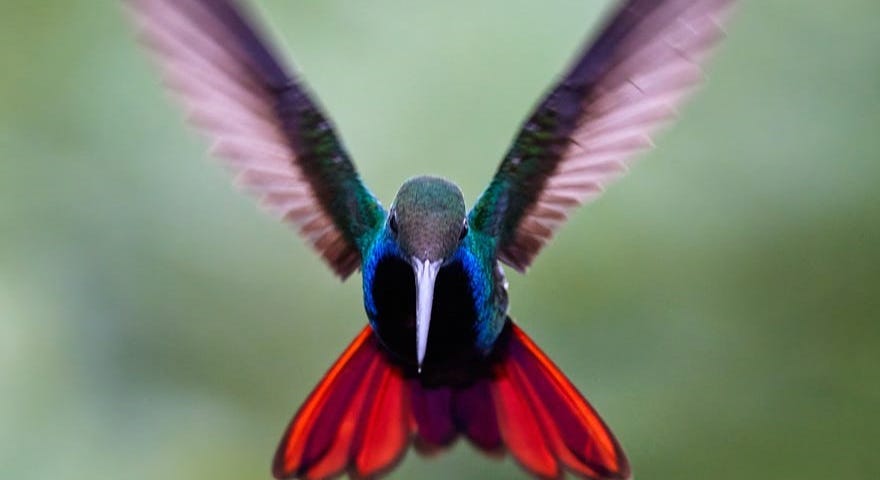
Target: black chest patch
451	351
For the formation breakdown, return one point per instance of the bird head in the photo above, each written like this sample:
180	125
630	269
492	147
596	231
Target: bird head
428	220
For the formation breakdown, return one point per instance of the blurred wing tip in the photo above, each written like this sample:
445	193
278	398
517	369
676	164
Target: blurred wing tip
132	8
342	272
518	265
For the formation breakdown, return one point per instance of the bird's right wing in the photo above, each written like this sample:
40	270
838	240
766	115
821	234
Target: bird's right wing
262	121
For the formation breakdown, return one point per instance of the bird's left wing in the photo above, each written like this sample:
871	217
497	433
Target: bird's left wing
262	121
590	125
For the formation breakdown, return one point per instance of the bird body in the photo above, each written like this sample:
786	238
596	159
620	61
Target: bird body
441	357
426	234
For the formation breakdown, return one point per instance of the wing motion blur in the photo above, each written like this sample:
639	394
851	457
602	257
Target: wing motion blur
262	120
588	128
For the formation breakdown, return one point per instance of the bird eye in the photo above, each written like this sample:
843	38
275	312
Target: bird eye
392	222
464	231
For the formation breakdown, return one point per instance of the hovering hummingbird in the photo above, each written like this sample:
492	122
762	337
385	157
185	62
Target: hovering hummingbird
440	357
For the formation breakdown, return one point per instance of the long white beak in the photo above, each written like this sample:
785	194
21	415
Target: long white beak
426	274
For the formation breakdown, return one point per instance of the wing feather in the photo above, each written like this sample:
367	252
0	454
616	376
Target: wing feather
261	122
587	130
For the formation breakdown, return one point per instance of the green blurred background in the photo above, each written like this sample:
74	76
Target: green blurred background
719	306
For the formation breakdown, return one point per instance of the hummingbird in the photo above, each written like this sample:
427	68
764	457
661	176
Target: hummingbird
440	357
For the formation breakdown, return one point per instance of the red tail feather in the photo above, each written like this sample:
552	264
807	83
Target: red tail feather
571	428
363	415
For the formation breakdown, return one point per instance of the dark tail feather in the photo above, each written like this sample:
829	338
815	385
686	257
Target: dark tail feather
474	414
434	431
364	414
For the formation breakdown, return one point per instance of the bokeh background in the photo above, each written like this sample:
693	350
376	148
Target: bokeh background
719	306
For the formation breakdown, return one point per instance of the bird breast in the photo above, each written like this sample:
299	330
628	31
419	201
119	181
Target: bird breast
452	336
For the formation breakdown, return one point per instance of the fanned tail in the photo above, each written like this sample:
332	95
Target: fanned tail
364	414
